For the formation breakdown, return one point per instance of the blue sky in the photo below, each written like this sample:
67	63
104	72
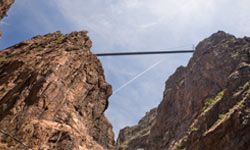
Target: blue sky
130	25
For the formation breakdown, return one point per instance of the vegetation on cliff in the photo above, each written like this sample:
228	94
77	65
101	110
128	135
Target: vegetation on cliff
206	104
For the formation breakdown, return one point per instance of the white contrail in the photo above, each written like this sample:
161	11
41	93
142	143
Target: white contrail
137	76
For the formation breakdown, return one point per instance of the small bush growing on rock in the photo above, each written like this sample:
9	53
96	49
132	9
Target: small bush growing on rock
59	40
211	101
221	116
193	129
180	146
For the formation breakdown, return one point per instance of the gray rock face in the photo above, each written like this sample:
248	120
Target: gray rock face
206	103
53	95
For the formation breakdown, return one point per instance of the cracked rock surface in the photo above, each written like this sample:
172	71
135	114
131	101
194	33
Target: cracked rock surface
53	95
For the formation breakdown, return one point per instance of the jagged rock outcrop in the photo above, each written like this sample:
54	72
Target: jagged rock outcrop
4	7
137	135
53	95
206	105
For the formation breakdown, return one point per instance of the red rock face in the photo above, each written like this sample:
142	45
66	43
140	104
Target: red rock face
4	7
53	95
206	104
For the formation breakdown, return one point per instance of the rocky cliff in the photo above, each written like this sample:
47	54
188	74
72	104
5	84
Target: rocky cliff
4	7
206	105
53	95
136	136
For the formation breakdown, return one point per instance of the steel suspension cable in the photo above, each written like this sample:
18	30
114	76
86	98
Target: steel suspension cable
144	53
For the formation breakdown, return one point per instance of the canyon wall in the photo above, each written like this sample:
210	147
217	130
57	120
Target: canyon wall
53	95
206	105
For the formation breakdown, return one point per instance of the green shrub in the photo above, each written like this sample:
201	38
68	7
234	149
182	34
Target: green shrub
193	129
180	146
58	41
211	101
221	116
